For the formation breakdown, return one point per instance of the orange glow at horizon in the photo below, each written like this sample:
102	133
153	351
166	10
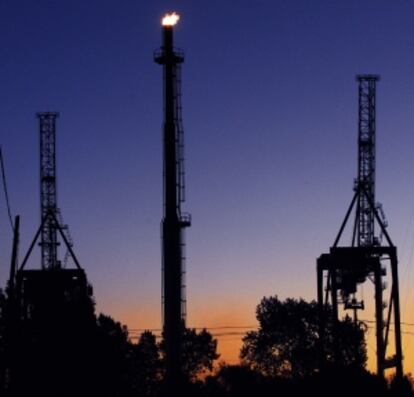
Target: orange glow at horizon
220	319
170	19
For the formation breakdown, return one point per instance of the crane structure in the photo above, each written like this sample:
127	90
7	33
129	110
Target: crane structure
51	297
365	217
48	200
51	232
174	220
365	258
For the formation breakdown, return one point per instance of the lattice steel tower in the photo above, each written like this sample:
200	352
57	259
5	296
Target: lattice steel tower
48	202
366	159
349	266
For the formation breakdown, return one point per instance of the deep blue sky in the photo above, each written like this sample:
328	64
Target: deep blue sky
270	117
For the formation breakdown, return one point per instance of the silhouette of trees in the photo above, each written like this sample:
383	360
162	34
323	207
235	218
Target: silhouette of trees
236	380
287	341
146	371
199	352
401	388
138	368
112	351
95	356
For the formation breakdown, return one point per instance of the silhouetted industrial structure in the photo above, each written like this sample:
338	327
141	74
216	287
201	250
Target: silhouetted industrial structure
48	199
174	220
365	258
46	304
51	227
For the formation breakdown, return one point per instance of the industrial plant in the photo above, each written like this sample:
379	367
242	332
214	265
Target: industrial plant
53	344
174	221
365	258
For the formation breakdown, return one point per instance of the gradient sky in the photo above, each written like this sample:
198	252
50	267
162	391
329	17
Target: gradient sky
270	119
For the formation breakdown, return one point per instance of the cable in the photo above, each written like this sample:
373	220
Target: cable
392	322
136	332
6	194
198	328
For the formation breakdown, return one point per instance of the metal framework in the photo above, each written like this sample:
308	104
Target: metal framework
49	294
347	267
174	220
366	158
48	202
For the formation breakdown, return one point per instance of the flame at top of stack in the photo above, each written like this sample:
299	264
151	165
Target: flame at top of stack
170	19
168	54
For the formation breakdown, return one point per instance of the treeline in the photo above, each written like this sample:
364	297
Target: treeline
77	352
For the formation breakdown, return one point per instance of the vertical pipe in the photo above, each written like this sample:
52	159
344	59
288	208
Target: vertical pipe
322	322
12	311
13	262
379	321
334	296
171	226
171	231
397	318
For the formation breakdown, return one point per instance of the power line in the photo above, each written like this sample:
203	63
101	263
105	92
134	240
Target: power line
236	327
402	323
136	332
197	328
6	194
232	331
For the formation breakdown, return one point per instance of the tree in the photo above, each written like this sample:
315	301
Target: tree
146	365
111	359
237	380
199	351
113	331
287	341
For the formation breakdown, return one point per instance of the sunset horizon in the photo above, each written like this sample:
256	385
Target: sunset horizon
244	122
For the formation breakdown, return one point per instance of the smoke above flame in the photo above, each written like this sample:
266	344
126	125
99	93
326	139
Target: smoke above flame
170	19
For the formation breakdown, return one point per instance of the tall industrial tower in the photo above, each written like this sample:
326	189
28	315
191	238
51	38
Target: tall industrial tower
347	267
174	221
48	202
48	298
365	217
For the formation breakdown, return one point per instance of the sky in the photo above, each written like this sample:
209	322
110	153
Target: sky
270	120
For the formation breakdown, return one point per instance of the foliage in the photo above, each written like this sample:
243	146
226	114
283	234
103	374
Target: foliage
287	341
402	388
113	331
138	368
146	365
199	352
111	360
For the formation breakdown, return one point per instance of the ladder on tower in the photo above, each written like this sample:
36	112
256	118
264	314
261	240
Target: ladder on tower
179	139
